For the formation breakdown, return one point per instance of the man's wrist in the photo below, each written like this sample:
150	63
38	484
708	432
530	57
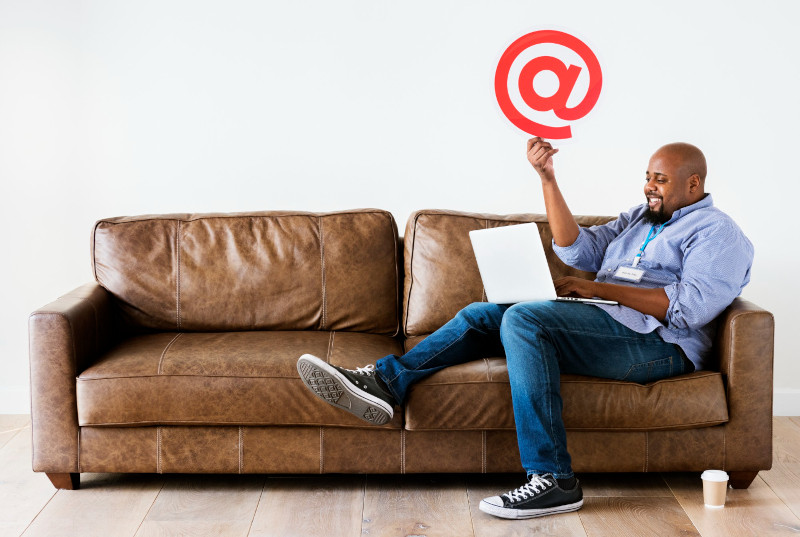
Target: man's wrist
547	180
597	290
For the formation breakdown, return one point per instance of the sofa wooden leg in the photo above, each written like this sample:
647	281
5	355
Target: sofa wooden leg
741	480
65	481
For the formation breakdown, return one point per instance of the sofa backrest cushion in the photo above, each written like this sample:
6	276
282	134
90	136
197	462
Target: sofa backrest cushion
441	275
253	271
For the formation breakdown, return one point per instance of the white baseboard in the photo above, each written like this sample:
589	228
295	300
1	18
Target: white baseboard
15	400
786	402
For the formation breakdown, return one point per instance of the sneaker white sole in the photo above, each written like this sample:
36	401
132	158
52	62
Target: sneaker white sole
504	512
334	388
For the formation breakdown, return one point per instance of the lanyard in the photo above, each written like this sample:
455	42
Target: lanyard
650	237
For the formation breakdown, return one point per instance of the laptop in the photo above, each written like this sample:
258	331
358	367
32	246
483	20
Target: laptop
513	265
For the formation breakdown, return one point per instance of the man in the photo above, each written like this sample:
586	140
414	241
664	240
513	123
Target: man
673	264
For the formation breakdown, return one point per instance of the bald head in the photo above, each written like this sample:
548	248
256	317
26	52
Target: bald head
691	159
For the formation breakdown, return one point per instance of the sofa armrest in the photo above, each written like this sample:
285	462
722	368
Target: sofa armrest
745	343
64	337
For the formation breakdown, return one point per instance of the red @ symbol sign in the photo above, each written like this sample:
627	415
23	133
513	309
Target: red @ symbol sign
567	77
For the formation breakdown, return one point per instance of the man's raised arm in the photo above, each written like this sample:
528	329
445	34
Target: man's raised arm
562	223
565	231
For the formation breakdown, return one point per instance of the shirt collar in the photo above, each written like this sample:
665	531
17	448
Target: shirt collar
707	201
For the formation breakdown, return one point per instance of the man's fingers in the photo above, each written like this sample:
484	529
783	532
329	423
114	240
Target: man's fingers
561	283
565	285
532	141
538	143
542	154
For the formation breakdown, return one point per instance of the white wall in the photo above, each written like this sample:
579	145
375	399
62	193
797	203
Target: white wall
111	107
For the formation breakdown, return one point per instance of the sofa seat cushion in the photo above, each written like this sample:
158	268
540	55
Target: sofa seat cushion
477	396
221	378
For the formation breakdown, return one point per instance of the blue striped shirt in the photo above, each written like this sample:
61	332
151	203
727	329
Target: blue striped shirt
701	258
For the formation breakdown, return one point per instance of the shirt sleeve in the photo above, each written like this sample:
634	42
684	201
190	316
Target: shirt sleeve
587	252
716	266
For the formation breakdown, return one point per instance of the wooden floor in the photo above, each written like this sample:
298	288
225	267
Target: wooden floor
148	505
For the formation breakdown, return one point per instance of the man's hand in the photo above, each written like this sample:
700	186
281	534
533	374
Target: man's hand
577	287
540	155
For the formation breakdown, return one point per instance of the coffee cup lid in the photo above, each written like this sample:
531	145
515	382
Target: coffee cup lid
714	475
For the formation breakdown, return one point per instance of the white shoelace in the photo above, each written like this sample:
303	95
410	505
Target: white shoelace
367	370
528	489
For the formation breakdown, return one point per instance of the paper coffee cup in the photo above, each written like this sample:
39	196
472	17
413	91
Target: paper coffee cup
715	488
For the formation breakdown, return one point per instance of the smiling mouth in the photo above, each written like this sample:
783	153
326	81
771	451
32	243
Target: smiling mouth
653	202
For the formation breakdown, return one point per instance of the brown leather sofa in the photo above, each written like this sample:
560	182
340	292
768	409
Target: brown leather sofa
181	358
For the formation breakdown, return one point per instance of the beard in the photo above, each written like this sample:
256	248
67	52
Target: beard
656	217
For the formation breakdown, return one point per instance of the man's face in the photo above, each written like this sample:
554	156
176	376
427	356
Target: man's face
667	188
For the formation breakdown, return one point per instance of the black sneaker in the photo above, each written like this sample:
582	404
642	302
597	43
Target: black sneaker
358	392
541	496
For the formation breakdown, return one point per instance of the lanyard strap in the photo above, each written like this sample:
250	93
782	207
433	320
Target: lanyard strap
650	236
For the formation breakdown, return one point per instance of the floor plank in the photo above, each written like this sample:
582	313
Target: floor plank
416	505
784	477
23	493
633	516
484	525
11	424
106	504
310	506
616	485
204	505
13	421
753	511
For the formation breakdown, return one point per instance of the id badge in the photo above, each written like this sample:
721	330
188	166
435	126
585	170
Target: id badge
629	274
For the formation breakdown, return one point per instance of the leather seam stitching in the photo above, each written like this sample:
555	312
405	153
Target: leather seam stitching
410	274
724	448
186	375
646	450
158	450
241	450
322	264
161	358
398	294
196	217
437	428
728	388
321	450
483	451
609	382
402	451
178	278
94	250
75	363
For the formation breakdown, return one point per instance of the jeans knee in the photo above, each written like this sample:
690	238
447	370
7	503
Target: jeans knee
476	308
521	314
481	315
522	317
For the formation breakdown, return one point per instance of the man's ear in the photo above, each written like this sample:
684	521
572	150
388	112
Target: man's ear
694	183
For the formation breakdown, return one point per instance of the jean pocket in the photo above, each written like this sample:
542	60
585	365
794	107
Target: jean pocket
652	371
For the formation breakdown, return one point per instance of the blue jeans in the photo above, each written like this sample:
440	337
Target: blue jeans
540	340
